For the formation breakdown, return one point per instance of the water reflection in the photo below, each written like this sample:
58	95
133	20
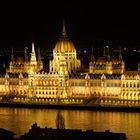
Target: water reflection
20	120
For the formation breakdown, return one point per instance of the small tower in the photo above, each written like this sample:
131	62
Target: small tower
33	61
26	54
40	63
12	55
120	56
91	63
108	63
33	56
11	62
39	55
64	29
122	68
108	53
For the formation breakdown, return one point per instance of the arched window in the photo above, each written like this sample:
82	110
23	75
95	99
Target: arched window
126	84
130	84
134	85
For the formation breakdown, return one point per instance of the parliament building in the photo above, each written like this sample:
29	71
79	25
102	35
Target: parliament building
105	82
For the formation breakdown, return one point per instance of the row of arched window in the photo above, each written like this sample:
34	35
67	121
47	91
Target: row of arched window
129	85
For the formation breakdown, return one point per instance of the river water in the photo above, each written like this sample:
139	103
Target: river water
19	120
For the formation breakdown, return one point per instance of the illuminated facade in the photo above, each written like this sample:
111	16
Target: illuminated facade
25	65
105	82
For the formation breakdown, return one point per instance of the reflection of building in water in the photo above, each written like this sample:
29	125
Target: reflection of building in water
106	78
60	122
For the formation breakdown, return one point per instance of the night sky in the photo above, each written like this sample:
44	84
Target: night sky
88	24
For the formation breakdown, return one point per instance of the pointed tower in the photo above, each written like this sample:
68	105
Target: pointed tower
92	56
108	53
108	63
33	55
40	63
12	55
120	56
92	62
26	54
64	29
122	68
11	65
39	55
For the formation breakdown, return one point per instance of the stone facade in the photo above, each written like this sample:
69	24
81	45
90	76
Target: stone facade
26	80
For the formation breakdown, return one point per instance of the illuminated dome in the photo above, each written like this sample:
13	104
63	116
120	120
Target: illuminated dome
64	44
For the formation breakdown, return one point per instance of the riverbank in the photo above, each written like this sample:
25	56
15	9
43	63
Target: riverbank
66	134
73	107
36	132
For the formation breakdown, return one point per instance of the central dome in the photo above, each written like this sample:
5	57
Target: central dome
64	44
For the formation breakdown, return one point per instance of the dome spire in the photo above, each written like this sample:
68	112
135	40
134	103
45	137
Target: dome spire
64	28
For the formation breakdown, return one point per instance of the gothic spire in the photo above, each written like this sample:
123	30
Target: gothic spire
108	53
12	55
26	54
64	28
33	55
92	56
120	55
39	55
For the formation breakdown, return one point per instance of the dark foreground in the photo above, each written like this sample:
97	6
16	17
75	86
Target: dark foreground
37	133
73	107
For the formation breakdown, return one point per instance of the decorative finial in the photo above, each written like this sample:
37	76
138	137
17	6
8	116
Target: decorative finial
64	29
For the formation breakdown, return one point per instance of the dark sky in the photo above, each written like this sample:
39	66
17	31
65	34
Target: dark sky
87	23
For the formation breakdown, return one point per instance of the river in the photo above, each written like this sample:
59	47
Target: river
19	120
